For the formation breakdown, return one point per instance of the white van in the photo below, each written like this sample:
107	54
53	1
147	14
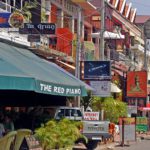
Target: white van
72	113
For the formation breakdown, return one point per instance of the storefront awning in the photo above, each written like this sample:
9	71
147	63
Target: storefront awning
20	69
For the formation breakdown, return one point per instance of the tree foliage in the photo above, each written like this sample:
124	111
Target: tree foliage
113	109
26	9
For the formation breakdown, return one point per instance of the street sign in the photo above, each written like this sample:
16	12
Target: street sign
40	28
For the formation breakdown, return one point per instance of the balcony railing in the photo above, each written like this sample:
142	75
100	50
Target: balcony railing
4	7
66	6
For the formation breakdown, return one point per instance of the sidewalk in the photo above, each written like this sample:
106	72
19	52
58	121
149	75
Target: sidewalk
117	141
111	145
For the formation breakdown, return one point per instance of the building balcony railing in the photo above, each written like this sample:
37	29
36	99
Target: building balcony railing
66	6
4	7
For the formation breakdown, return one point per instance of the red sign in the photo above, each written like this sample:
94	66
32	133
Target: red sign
137	84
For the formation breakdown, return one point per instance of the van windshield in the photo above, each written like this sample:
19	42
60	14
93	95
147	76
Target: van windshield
68	113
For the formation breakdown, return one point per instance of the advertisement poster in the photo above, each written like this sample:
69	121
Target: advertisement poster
127	129
137	84
97	70
141	124
101	88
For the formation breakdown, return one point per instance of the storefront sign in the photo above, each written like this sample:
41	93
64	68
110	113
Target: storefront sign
97	70
137	84
41	28
101	88
4	17
91	116
16	20
58	89
141	124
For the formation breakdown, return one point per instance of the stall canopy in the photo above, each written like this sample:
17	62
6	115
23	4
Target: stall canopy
20	69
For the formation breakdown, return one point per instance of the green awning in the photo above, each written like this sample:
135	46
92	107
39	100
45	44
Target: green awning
20	69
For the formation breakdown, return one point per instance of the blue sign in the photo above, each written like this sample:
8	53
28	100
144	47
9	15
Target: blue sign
97	70
41	28
4	17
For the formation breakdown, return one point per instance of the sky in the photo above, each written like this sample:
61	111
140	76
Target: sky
143	6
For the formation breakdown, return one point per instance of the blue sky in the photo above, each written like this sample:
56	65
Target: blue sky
143	6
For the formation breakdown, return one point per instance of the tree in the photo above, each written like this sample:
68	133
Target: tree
26	10
113	109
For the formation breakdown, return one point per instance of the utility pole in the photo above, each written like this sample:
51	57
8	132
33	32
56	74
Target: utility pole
101	39
102	29
78	53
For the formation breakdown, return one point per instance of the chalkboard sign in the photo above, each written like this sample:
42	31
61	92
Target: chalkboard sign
30	143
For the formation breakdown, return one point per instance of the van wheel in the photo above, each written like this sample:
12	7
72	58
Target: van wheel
91	145
81	140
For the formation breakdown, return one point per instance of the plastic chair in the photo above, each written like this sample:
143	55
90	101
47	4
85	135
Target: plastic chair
21	134
7	140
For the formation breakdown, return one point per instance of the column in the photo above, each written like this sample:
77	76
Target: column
48	10
82	28
60	20
72	24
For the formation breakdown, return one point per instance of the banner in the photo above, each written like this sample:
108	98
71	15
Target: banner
4	17
137	84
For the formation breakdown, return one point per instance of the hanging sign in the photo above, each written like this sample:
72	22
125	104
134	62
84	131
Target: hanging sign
16	20
40	28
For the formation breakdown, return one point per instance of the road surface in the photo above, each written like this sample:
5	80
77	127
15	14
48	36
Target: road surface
139	145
